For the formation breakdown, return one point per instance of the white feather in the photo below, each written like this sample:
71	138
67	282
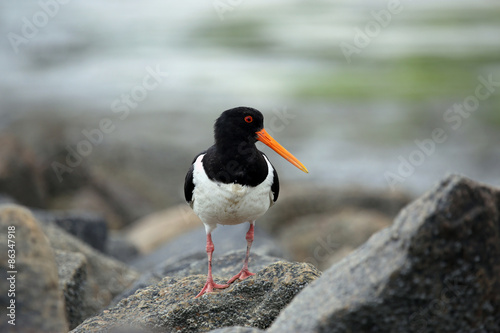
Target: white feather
229	204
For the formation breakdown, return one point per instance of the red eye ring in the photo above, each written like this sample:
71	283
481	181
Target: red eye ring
248	119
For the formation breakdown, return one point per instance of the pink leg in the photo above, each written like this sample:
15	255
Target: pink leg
244	273
210	285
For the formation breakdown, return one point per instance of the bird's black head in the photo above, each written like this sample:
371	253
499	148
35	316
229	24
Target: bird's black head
238	125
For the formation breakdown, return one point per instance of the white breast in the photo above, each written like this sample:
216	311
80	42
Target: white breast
219	203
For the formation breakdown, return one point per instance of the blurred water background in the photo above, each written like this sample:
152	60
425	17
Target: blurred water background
350	121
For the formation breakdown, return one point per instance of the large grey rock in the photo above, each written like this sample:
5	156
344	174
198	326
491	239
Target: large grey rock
34	288
225	266
170	305
436	269
106	277
72	271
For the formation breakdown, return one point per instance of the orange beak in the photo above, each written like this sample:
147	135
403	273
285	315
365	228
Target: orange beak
268	140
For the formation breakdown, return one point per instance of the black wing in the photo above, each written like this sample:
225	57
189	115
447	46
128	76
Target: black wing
188	182
275	188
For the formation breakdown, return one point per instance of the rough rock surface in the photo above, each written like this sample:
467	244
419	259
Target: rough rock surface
225	267
39	303
170	305
107	277
436	269
72	271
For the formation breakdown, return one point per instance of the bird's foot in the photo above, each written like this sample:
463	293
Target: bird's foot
210	286
242	275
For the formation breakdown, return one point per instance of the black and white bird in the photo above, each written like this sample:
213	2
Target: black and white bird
232	182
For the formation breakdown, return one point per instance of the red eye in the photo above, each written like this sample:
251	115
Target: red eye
248	119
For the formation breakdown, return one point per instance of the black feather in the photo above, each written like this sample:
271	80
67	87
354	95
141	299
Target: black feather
188	182
275	188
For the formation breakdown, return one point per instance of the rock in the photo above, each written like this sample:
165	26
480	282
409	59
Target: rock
106	277
156	229
39	303
20	174
225	266
324	239
170	305
436	269
120	247
72	269
225	238
301	201
88	227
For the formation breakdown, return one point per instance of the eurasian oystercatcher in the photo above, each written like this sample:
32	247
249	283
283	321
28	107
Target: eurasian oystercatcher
232	182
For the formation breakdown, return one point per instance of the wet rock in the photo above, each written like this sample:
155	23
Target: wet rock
72	271
225	238
39	303
88	227
170	305
20	173
106	277
324	239
224	266
436	269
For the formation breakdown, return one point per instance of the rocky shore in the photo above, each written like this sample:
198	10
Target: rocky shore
327	260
